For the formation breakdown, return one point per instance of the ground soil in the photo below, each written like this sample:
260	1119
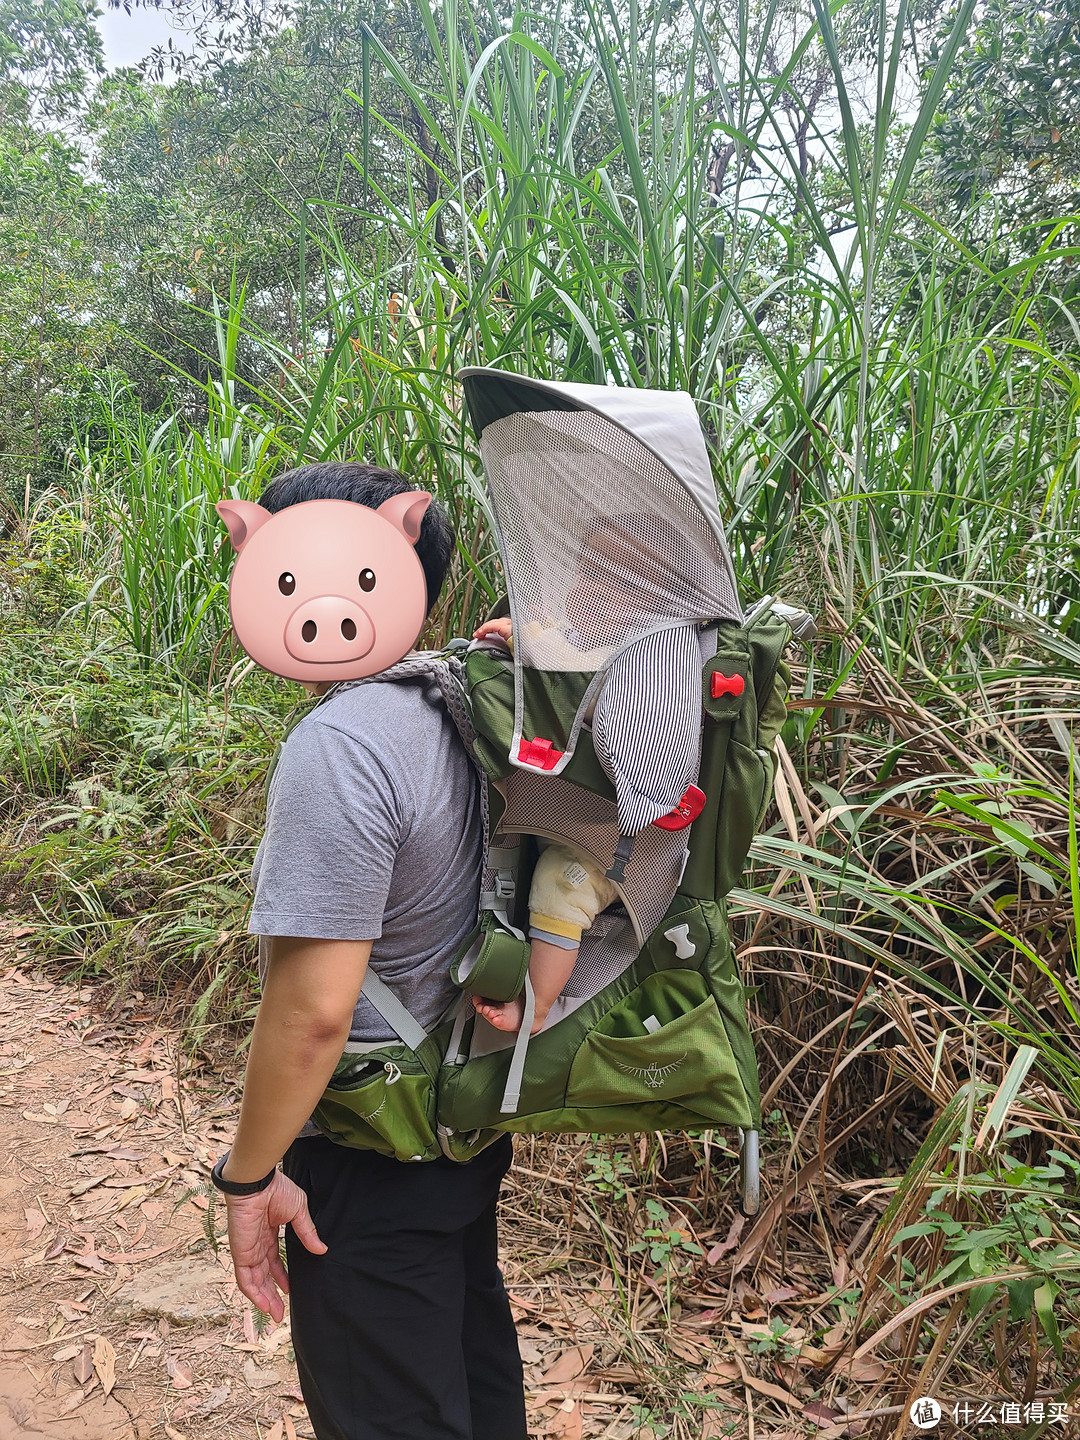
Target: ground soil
103	1183
105	1160
107	1137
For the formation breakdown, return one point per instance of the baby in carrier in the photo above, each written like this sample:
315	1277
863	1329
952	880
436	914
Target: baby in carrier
646	732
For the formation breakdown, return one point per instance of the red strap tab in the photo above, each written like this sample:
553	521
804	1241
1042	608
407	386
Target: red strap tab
726	684
539	753
686	812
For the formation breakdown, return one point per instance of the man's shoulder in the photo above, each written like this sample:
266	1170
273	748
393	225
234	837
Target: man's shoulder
395	723
370	737
377	707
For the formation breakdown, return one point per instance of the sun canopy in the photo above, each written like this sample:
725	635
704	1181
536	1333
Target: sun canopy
664	421
606	513
614	556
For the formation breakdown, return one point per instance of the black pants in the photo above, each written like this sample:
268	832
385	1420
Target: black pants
402	1330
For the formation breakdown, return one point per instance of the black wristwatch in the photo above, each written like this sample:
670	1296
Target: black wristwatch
238	1187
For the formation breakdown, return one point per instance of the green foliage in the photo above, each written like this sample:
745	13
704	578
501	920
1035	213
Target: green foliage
134	805
1010	1217
1010	122
53	289
608	1171
774	1343
663	1241
48	52
287	255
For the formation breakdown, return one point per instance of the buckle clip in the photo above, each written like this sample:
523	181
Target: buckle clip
538	754
726	685
688	808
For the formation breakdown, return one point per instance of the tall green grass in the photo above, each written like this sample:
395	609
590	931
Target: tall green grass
903	416
895	443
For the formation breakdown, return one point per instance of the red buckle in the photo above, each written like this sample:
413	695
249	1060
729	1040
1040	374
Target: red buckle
726	684
687	810
539	753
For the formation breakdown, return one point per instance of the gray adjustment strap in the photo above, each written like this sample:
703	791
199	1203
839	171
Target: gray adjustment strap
501	857
622	855
512	1093
377	993
504	921
500	869
453	1049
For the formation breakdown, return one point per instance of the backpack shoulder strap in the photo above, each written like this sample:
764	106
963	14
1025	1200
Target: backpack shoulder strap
381	998
445	670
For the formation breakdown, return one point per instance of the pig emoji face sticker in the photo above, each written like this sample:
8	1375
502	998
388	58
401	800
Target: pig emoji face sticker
328	589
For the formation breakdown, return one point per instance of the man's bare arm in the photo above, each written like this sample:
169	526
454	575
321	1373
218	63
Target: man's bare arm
303	1023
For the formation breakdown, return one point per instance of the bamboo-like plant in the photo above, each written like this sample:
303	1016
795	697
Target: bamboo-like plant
616	195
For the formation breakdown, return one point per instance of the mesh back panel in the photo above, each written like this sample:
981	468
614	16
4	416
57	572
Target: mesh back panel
601	543
608	948
550	806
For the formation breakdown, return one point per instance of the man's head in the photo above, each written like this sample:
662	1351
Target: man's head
370	486
335	571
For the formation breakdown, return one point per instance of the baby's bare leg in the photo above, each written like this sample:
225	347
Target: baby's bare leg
549	970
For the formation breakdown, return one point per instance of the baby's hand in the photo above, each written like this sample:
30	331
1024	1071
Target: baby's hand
502	628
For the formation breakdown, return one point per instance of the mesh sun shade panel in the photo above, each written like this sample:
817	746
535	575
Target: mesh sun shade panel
602	544
555	808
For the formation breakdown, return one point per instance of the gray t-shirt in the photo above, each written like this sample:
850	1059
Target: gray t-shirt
373	833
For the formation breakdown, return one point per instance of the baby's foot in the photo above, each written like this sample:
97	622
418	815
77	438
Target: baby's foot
503	1014
508	1014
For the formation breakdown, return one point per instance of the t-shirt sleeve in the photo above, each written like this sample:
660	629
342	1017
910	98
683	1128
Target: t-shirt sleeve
335	822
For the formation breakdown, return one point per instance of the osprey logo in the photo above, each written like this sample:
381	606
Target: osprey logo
653	1075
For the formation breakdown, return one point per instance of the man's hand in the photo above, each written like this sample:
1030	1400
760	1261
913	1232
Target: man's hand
254	1223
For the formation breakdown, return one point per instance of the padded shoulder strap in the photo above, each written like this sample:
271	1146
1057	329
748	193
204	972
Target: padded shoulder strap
444	669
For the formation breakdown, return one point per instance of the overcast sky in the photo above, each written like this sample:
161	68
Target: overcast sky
128	38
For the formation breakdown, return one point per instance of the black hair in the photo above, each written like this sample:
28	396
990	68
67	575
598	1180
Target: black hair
370	486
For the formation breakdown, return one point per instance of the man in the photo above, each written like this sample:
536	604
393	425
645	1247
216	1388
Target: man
401	1326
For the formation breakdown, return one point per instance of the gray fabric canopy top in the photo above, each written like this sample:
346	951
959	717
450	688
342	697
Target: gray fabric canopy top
613	552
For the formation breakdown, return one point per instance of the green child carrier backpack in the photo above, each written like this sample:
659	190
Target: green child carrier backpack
650	1032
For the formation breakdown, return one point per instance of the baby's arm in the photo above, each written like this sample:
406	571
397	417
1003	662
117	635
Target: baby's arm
502	628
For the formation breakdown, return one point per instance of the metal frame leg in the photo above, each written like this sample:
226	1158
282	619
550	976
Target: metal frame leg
749	1173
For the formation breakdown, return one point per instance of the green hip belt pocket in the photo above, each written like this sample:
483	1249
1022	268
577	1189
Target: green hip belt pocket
664	1041
382	1097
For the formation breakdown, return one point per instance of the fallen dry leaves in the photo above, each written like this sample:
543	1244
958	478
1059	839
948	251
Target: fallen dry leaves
101	1206
84	1365
105	1363
570	1364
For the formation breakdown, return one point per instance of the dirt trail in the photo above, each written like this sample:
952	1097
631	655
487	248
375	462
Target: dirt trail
118	1318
